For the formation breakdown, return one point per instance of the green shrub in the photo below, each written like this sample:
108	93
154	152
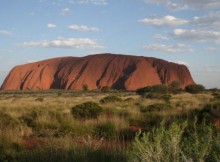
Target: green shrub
174	86
105	89
29	119
212	109
215	106
157	145
106	130
177	142
6	121
195	88
216	96
129	100
40	99
166	98
161	89
110	99
155	107
147	121
4	155
85	87
151	95
87	110
127	134
199	142
109	111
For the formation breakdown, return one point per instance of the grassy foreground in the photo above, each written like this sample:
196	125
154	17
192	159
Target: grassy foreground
41	126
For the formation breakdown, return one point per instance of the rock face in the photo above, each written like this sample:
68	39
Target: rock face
115	71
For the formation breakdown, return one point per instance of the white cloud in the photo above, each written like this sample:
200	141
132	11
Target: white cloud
51	26
164	21
5	32
182	63
59	2
202	3
83	28
177	7
30	61
65	43
186	4
65	11
210	21
160	37
95	2
197	35
178	48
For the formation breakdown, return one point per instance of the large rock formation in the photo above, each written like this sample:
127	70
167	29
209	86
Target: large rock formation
115	71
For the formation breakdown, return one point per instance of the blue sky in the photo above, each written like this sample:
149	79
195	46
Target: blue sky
181	31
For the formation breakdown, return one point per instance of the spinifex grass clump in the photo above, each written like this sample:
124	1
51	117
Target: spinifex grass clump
157	107
106	130
87	110
29	118
110	99
6	121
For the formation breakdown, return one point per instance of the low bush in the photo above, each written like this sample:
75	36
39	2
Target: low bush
151	95
109	111
6	121
177	142
216	96
40	99
215	106
127	134
105	89
174	86
110	99
212	110
85	87
161	89
195	88
166	98
147	121
106	130
87	110
29	118
129	100
155	107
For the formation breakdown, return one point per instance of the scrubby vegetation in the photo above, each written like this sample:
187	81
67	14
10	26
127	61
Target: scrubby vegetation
110	99
87	110
177	142
195	88
156	89
113	126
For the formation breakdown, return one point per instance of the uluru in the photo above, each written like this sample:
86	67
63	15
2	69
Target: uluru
96	71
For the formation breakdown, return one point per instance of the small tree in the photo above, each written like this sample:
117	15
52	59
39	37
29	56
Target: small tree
85	87
174	86
160	89
87	110
105	89
195	88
